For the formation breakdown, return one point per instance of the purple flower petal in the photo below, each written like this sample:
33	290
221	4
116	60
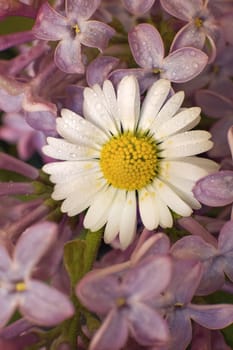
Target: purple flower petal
145	77
99	69
215	189
81	9
213	104
180	328
67	56
50	25
193	247
138	7
146	45
185	279
9	40
74	98
213	277
149	277
15	188
147	326
96	34
190	35
33	243
8	305
157	244
212	316
219	132
11	94
9	103
226	247
99	290
184	64
182	9
45	305
225	240
5	260
112	334
10	163
42	120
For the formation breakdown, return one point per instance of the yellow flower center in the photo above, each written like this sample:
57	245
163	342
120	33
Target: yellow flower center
128	161
76	28
20	287
198	22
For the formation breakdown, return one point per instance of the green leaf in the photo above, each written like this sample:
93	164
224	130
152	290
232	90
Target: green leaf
14	24
74	259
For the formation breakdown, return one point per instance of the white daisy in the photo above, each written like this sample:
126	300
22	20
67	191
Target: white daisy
120	156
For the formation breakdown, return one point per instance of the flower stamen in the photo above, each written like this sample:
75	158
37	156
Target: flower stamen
128	161
20	287
76	28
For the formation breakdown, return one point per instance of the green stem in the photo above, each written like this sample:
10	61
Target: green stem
93	240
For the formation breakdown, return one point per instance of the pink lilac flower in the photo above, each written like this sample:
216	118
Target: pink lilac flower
37	301
205	339
16	8
123	297
176	305
217	189
15	130
138	7
72	30
201	24
148	51
217	261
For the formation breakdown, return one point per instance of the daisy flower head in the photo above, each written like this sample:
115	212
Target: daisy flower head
123	155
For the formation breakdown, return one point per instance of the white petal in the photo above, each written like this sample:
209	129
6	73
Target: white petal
113	224
165	216
183	188
185	144
75	203
65	171
95	111
76	186
168	110
148	208
111	101
183	121
61	149
97	214
128	100
128	220
76	129
183	169
171	199
209	165
154	100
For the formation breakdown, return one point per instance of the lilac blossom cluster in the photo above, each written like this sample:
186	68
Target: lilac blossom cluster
100	255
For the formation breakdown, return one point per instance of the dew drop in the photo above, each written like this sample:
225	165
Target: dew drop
195	65
73	155
192	53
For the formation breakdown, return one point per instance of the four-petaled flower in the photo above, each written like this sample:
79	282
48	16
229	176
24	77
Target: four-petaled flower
72	30
38	302
124	296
